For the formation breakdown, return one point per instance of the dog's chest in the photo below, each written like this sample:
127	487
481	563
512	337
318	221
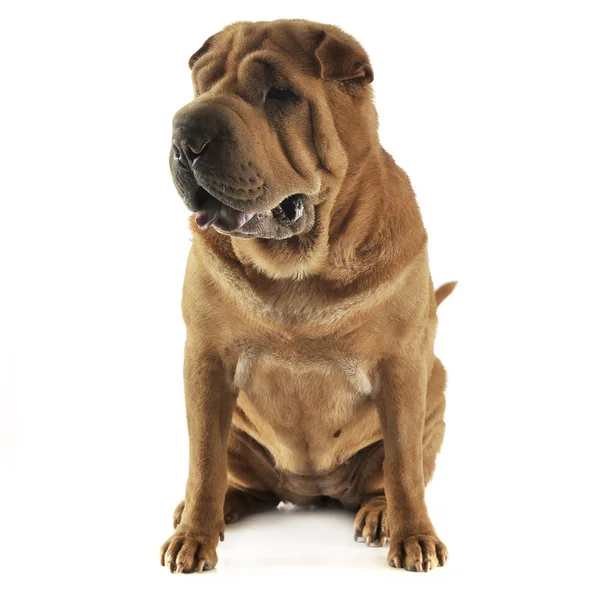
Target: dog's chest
259	367
312	411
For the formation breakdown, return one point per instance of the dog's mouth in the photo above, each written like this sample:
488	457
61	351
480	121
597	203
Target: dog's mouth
211	212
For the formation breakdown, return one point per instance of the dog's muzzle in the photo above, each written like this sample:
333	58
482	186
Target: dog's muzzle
214	213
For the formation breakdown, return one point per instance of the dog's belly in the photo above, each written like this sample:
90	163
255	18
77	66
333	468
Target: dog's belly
311	415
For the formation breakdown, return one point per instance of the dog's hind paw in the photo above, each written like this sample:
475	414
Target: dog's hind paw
371	521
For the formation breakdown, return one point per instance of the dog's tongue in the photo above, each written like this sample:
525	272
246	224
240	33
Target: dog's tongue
221	216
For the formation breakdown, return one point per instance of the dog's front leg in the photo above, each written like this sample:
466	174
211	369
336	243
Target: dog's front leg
209	406
414	544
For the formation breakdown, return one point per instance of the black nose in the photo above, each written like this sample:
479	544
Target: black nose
187	149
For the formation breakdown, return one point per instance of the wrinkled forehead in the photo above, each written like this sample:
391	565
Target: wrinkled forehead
284	50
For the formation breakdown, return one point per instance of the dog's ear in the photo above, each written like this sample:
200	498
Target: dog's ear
342	59
201	51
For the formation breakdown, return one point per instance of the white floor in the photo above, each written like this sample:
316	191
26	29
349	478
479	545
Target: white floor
68	538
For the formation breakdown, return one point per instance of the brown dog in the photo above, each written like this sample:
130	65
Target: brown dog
310	312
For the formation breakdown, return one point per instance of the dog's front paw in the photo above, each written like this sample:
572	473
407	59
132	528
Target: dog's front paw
189	549
417	553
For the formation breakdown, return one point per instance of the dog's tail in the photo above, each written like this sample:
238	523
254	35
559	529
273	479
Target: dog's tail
444	291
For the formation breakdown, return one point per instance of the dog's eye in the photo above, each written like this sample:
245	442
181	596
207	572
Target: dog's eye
281	94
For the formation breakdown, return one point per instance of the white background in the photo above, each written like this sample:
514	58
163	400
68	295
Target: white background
493	110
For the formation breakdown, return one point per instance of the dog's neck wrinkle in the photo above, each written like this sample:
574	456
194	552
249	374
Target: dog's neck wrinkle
357	214
354	192
375	215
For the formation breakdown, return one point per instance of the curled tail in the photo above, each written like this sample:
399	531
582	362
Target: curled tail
444	291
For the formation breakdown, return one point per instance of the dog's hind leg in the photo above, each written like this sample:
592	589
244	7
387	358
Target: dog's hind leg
371	521
433	432
251	477
238	504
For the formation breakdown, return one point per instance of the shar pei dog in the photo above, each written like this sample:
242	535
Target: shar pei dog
309	369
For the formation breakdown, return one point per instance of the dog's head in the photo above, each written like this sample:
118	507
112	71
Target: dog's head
281	111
